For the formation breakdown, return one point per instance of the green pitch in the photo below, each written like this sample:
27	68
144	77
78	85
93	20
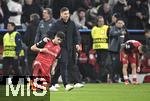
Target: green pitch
91	92
104	92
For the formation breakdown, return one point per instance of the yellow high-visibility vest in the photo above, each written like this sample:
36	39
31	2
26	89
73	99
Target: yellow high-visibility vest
100	38
10	45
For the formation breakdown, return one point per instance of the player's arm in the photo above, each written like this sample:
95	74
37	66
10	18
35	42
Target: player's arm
140	57
55	63
54	66
38	47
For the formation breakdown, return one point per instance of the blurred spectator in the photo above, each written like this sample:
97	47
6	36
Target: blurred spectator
4	14
86	4
28	39
99	35
44	24
15	9
58	4
79	18
147	36
148	3
137	14
145	64
122	8
29	8
91	17
86	65
44	3
100	2
146	56
112	3
104	10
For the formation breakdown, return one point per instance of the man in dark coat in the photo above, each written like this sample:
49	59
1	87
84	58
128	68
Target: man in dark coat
72	39
117	35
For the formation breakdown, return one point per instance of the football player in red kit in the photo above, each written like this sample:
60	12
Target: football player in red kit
47	56
130	53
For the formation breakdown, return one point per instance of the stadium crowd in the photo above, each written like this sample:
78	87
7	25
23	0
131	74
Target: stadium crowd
104	57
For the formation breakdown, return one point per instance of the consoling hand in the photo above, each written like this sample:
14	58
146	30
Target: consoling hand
78	47
46	39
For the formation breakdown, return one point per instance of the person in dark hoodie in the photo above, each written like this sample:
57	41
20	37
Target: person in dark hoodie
117	35
28	39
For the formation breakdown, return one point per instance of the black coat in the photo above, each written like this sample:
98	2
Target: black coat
116	38
72	36
30	34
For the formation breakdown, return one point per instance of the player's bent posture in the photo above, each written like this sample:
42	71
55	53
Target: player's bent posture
130	53
47	56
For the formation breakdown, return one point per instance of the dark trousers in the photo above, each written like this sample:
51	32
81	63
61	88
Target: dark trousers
29	67
68	69
61	68
114	66
74	75
101	59
9	65
87	70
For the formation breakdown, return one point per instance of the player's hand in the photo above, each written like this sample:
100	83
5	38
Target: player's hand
138	69
78	47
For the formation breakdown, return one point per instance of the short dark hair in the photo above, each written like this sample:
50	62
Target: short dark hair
119	19
35	17
61	35
128	47
81	9
12	23
49	11
63	9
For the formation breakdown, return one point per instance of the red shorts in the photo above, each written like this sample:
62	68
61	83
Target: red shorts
41	70
130	58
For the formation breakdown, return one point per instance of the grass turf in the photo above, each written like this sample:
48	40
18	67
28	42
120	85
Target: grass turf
104	92
91	92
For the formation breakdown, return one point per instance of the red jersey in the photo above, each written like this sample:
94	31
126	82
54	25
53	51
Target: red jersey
132	58
48	59
136	45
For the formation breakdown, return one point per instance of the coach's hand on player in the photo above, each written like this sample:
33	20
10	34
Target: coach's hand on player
46	39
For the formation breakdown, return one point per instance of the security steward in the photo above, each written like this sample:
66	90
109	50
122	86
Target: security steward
12	50
99	35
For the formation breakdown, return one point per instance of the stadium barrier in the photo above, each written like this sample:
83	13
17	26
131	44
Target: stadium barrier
80	30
